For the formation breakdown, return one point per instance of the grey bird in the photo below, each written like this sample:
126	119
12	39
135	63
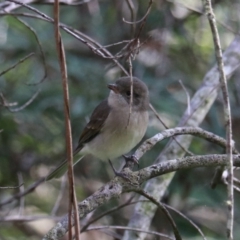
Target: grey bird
112	130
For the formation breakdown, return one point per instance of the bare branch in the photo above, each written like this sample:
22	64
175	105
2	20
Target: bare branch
6	104
17	63
227	113
17	196
133	15
149	143
143	18
127	203
175	139
68	134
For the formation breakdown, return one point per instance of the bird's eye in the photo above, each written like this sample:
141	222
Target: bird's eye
136	95
128	93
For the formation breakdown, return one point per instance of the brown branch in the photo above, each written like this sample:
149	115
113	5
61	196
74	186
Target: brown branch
63	67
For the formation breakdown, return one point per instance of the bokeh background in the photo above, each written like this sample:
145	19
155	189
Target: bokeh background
177	46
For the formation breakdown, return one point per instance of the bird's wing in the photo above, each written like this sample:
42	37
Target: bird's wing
91	130
95	124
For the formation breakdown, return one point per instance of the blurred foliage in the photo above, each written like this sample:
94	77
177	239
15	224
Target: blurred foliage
177	46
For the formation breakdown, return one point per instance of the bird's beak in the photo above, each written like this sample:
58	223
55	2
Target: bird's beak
113	87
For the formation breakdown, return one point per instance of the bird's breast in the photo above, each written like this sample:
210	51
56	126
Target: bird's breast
121	132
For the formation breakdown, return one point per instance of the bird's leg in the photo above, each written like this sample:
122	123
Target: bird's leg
131	159
118	174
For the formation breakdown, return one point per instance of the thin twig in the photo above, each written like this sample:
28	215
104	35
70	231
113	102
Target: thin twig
133	15
63	67
17	63
143	18
6	104
28	190
31	8
115	44
165	211
227	114
166	127
106	213
186	218
14	187
40	48
130	229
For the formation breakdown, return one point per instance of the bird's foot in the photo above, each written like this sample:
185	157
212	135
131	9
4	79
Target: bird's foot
119	174
131	159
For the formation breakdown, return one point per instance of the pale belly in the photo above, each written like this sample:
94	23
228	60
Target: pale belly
118	140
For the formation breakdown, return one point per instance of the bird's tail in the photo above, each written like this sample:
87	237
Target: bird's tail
62	168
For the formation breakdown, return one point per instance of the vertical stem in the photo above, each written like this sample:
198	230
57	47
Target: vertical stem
227	114
63	67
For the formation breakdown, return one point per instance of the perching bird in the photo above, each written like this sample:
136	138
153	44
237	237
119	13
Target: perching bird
112	130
